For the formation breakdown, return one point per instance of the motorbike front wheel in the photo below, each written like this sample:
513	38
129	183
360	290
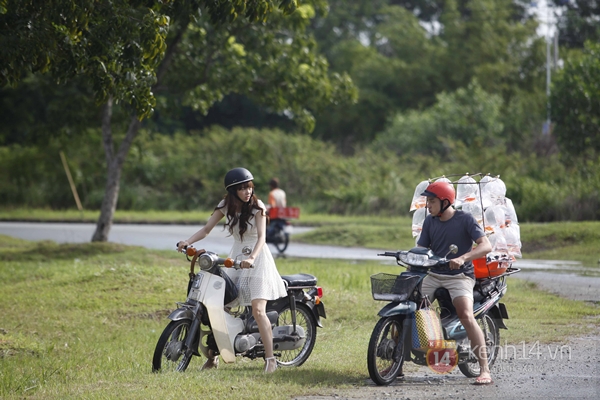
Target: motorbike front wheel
170	353
305	319
491	334
385	355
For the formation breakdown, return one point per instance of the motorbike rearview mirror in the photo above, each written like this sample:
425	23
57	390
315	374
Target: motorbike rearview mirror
452	249
246	250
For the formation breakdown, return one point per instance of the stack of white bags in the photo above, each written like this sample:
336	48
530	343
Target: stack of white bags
486	200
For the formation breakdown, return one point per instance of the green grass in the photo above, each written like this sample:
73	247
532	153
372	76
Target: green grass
82	320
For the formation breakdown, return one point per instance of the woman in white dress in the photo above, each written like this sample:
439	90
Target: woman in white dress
258	280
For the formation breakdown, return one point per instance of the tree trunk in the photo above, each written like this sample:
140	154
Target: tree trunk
114	166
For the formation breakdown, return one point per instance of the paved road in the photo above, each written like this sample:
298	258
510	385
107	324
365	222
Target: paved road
566	278
165	236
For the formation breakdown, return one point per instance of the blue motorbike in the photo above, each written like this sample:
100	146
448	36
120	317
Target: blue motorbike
391	343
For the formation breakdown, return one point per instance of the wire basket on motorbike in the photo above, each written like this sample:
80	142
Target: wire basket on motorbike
390	287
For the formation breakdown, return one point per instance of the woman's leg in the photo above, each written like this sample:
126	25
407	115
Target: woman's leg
266	333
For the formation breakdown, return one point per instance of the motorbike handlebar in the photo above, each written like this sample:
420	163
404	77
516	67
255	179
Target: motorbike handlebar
389	254
191	251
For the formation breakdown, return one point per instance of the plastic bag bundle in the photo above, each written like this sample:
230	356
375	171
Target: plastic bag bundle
417	222
512	233
493	192
484	181
467	190
511	213
486	200
494	219
419	201
474	208
499	247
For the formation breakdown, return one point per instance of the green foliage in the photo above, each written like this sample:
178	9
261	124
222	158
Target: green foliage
185	172
275	63
401	54
576	104
577	22
468	115
115	45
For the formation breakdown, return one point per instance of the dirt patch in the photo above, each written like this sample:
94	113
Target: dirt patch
569	285
524	370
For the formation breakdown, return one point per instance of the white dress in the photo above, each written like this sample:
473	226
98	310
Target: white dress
261	282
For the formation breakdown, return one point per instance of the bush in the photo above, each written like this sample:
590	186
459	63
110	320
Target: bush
185	172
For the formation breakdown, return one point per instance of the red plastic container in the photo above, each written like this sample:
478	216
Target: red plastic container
284	213
485	270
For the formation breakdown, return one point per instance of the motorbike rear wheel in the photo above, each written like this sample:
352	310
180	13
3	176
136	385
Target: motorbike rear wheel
385	355
491	333
170	353
305	319
283	244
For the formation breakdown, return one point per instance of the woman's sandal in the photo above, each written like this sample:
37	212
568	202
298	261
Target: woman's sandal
270	365
211	363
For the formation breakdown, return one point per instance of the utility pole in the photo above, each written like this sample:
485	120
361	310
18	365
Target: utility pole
548	73
549	39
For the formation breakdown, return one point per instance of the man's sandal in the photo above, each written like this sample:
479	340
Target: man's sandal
483	381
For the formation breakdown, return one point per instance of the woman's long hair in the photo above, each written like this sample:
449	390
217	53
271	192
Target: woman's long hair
234	205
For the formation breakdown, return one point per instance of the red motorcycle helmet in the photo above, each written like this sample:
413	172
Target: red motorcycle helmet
443	191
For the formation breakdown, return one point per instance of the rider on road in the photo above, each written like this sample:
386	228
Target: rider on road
277	198
446	226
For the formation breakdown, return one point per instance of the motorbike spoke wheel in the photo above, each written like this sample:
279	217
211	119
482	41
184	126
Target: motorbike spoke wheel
170	353
385	354
282	244
491	334
305	319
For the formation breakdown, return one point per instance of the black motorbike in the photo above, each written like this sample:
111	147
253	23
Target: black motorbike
278	233
391	342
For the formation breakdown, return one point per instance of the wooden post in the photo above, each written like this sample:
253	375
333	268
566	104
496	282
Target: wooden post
73	188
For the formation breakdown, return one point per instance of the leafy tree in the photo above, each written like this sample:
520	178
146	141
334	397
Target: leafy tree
115	45
469	116
401	53
577	22
576	104
229	46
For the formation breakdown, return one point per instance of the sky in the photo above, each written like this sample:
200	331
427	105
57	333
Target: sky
543	10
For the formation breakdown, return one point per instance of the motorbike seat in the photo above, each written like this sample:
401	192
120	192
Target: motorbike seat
482	288
299	280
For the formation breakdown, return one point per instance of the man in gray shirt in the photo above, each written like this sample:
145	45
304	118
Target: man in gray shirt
446	226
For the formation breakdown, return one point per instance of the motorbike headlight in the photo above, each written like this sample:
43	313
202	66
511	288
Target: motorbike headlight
206	261
416	259
403	256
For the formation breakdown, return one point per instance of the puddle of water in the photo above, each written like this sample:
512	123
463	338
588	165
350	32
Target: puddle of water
557	267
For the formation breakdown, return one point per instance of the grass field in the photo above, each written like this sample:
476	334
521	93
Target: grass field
81	321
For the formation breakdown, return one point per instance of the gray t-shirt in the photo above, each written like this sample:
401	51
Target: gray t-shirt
462	230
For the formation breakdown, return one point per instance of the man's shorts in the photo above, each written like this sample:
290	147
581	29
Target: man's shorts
458	285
